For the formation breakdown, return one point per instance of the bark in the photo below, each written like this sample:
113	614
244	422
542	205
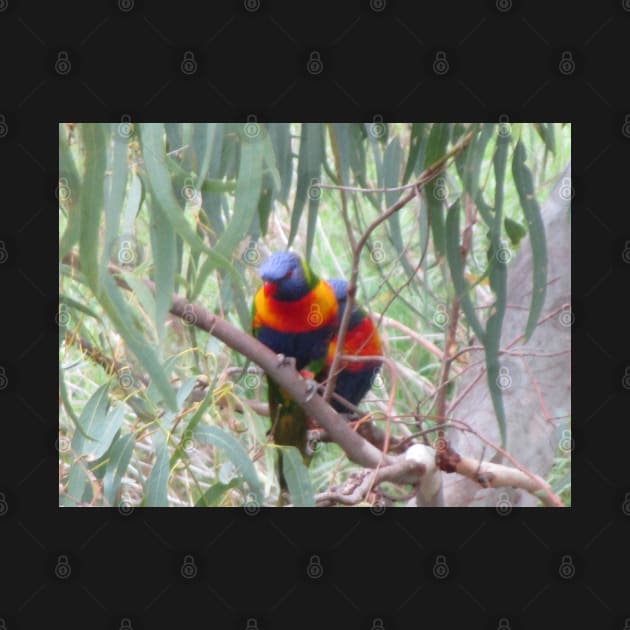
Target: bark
538	398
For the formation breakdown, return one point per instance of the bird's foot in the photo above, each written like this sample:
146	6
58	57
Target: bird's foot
311	389
284	360
312	444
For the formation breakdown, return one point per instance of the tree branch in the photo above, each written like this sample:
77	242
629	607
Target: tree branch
393	472
491	475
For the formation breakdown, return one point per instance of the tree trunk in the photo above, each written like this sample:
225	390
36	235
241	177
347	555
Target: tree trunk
537	398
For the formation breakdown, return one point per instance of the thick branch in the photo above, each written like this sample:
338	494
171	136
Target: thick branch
498	475
491	475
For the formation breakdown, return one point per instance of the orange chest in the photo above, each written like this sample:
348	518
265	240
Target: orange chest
316	309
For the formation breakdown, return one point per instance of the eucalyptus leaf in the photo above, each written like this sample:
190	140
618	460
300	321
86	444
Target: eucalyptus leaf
234	451
156	485
93	420
297	478
119	457
527	196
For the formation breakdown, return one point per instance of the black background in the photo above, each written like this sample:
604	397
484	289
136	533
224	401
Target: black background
254	571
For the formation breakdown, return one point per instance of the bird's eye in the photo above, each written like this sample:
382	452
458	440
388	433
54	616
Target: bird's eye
288	274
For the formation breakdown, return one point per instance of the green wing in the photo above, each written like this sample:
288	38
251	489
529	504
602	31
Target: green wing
288	425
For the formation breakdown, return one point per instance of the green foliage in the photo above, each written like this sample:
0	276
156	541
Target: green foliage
236	453
296	475
149	416
525	185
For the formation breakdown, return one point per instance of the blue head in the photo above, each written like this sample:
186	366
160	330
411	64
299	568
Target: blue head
285	276
340	289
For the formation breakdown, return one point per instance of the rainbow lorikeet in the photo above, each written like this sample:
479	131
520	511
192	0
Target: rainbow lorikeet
294	314
362	339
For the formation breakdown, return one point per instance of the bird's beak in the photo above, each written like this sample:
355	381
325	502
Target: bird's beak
269	288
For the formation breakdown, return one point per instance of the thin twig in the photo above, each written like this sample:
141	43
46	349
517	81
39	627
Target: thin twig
425	177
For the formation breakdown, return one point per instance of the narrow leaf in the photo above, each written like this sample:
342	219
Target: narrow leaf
141	293
340	141
436	148
234	451
213	196
77	486
270	185
186	387
498	284
377	163
474	161
280	136
156	485
163	247
106	434
453	256
297	478
131	206
67	404
192	425
415	143
215	494
69	194
357	155
79	306
119	312
119	457
92	202
437	143
92	419
308	171
115	186
152	140
101	425
391	171
546	133
206	134
248	188
392	161
526	193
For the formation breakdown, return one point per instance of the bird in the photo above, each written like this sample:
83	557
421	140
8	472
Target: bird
362	339
294	314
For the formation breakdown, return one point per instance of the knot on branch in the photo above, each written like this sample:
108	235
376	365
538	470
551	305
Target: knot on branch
446	459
